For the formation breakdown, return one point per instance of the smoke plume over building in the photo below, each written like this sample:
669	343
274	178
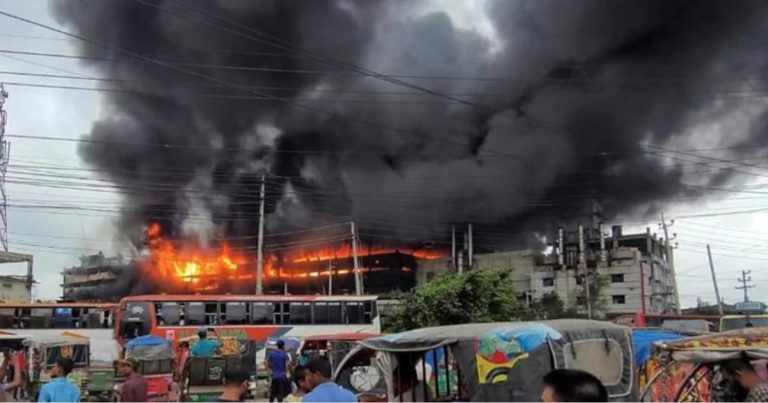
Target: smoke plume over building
561	103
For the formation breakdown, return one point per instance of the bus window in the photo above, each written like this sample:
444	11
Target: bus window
41	318
282	313
95	318
355	313
235	313
262	313
62	318
212	314
328	313
195	314
170	312
743	322
135	320
6	317
369	312
301	313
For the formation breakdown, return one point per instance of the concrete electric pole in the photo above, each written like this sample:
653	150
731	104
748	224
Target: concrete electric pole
714	282
670	262
745	280
260	244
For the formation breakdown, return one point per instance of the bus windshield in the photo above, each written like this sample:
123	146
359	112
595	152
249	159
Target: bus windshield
743	321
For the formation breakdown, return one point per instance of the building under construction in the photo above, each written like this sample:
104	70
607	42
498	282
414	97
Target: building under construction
636	270
95	275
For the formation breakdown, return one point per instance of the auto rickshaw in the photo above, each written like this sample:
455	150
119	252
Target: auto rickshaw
44	351
156	363
688	369
487	361
202	378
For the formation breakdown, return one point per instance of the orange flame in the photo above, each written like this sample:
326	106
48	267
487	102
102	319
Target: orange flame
191	267
338	253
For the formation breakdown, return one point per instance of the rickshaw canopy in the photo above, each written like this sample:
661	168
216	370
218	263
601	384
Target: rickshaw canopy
749	342
516	354
149	348
342	337
48	341
642	342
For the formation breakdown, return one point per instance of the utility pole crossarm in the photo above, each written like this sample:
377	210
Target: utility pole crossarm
745	281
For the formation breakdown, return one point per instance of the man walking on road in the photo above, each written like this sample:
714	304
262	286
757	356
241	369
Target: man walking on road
278	361
60	389
323	389
135	386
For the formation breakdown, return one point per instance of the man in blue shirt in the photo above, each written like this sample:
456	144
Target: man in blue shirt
59	389
204	347
323	389
277	362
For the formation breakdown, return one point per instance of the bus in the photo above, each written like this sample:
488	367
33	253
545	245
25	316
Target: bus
733	322
691	323
244	317
91	319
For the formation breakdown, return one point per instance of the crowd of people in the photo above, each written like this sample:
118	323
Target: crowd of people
311	381
306	383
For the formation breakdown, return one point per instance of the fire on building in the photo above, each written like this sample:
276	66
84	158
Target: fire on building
186	266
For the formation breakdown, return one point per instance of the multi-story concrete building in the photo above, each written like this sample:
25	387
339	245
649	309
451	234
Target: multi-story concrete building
15	289
87	281
634	270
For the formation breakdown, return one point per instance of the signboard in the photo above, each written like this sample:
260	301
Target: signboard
750	307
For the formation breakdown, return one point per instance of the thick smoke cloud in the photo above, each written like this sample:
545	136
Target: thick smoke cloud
558	104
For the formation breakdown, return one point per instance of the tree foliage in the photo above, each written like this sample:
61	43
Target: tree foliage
597	284
476	296
549	306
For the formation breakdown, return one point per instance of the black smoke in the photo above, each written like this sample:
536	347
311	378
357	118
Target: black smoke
537	117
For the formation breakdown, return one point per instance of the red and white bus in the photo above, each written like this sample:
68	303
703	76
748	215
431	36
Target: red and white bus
91	319
245	317
695	323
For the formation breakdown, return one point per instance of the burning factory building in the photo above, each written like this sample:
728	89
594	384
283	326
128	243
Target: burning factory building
185	266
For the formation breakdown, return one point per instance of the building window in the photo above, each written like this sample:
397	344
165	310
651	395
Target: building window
617	278
430	275
548	281
619	299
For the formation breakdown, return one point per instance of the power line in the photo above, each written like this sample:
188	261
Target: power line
355	120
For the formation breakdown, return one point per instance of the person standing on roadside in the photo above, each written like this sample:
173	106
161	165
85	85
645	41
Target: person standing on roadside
323	388
300	378
572	385
204	347
59	389
235	385
135	386
277	362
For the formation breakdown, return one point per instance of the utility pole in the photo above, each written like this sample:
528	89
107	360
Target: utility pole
470	248
5	150
453	246
670	262
714	283
745	280
582	265
358	274
260	246
330	277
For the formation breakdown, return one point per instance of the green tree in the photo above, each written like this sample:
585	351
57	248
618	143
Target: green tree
597	284
549	306
476	296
